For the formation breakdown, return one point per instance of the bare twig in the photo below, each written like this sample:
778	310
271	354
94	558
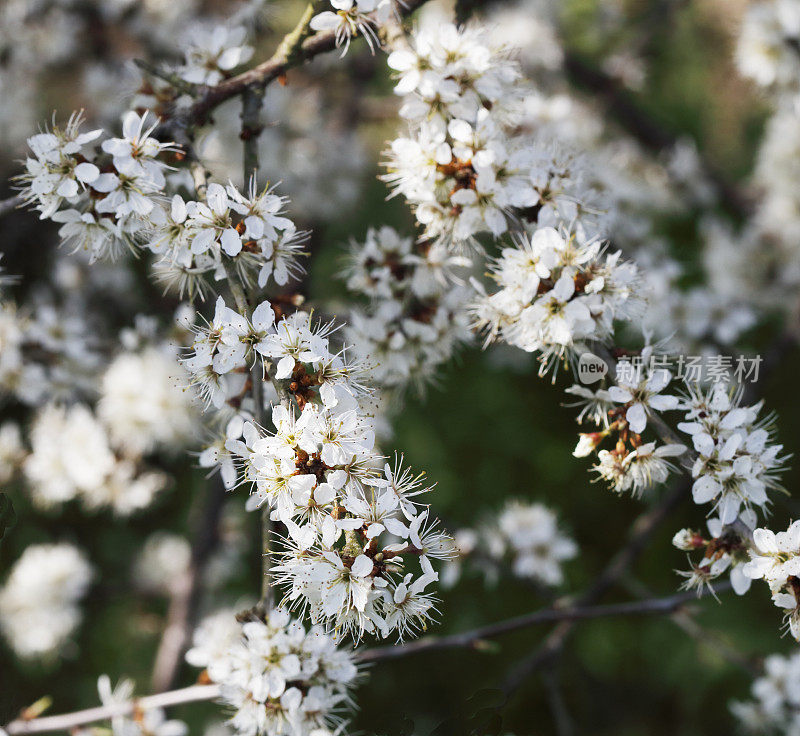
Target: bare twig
187	591
685	620
68	721
252	101
641	532
296	48
170	77
561	717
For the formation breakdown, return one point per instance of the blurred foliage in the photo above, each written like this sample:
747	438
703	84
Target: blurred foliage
488	430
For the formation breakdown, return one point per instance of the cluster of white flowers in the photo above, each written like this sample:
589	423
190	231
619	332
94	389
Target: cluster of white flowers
281	679
112	200
102	198
775	558
724	550
633	465
538	548
162	561
768	42
46	352
737	462
224	348
319	472
764	251
72	456
193	237
459	168
558	292
38	601
696	321
524	536
416	318
775	705
144	402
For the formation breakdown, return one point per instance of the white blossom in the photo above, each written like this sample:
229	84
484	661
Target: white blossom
38	600
280	679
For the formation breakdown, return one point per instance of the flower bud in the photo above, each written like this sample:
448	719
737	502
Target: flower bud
687	540
588	443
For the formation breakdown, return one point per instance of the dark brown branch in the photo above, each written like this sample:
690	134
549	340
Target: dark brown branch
285	58
475	638
641	531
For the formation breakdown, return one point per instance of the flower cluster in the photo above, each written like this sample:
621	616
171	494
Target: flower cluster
144	404
211	51
557	292
463	180
162	561
46	352
767	51
281	679
319	472
72	456
737	462
775	705
458	168
621	412
725	549
142	722
416	316
764	251
113	199
775	558
224	348
103	201
525	536
38	601
193	237
447	73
